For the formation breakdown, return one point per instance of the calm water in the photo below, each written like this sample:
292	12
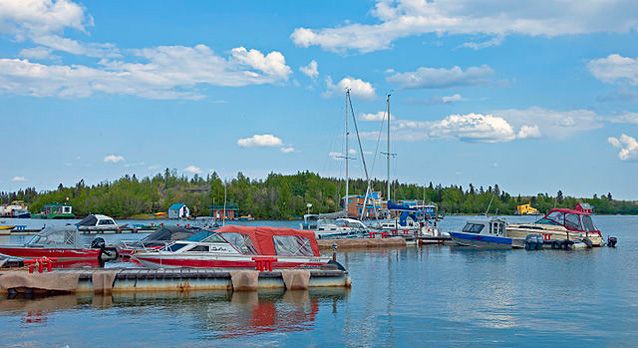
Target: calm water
415	296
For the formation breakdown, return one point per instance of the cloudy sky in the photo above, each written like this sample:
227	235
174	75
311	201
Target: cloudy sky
535	96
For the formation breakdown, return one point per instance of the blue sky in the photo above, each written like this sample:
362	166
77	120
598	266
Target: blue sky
533	96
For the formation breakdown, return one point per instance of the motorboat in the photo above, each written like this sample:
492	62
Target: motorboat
341	228
63	244
97	223
561	224
484	234
160	238
235	246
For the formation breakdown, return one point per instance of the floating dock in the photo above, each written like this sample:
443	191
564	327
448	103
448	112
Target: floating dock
173	279
362	243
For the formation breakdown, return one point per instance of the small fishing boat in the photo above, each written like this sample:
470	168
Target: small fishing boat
490	234
561	224
235	246
6	227
62	243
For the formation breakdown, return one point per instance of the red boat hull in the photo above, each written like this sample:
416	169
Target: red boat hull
66	257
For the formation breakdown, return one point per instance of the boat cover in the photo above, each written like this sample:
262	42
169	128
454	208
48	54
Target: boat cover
57	237
275	241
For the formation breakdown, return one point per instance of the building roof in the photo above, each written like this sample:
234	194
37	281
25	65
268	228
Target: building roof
176	206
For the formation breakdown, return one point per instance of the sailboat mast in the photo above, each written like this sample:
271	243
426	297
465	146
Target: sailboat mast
346	155
388	154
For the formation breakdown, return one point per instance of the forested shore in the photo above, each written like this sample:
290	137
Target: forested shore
280	196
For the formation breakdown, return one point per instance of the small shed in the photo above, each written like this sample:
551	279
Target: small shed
585	207
178	211
231	211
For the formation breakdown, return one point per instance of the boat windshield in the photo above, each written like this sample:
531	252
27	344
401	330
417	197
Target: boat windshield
473	228
292	245
572	222
241	242
213	238
588	223
65	237
90	220
176	246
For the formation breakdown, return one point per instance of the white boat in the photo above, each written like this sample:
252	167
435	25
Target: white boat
561	224
341	228
234	246
97	223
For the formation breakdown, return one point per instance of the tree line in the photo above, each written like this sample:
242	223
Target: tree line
280	196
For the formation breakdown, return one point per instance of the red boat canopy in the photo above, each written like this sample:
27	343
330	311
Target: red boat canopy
276	241
573	220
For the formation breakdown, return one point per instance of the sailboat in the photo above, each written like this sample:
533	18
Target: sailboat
408	220
338	224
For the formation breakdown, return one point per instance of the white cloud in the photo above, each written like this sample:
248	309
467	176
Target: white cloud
495	41
447	99
628	147
36	53
311	70
19	179
551	123
170	72
527	131
402	18
287	149
615	69
24	18
374	117
44	21
629	117
358	87
113	159
193	169
273	64
425	77
260	140
469	127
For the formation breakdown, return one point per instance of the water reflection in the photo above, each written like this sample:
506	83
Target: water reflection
219	314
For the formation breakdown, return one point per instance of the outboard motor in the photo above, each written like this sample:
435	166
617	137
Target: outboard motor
106	254
534	242
611	241
588	242
98	243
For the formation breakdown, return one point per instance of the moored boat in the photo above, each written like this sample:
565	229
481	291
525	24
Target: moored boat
561	224
488	234
162	237
63	244
97	223
235	246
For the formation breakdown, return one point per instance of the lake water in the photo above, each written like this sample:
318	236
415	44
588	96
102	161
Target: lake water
434	295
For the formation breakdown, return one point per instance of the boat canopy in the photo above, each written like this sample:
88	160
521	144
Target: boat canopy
95	220
59	237
257	240
169	233
573	220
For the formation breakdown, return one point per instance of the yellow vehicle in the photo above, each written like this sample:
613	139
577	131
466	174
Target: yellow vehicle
526	209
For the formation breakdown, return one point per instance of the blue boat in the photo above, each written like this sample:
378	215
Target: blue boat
489	234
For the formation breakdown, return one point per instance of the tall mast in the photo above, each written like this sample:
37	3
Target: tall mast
346	155
389	153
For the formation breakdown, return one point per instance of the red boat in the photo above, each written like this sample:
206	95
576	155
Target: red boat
235	246
63	245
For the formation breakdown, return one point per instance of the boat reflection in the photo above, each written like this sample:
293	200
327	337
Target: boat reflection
222	314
